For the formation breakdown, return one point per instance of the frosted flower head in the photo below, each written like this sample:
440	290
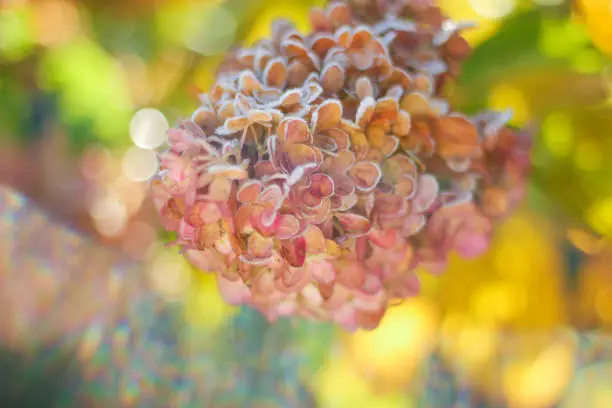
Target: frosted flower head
322	169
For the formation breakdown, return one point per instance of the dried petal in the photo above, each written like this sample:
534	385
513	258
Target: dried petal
249	191
427	192
353	224
294	131
259	246
366	175
333	77
276	73
294	251
365	112
327	115
321	185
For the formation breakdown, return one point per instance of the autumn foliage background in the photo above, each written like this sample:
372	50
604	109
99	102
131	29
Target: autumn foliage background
89	87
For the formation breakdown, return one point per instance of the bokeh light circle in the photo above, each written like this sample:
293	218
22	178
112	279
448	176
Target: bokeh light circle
139	164
149	128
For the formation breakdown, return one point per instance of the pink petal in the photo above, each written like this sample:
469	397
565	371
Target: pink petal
289	227
300	155
291	279
353	224
350	274
294	251
234	292
427	192
321	185
294	131
312	296
340	137
315	241
272	195
384	238
366	175
249	191
259	246
323	271
319	214
413	225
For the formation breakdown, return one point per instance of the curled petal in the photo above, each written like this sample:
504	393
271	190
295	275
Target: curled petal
272	195
354	224
249	191
259	116
365	112
319	214
233	125
340	137
294	251
325	143
294	131
248	82
289	227
321	185
366	175
427	192
327	115
302	155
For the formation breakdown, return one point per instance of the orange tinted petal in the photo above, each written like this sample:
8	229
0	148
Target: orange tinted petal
249	191
366	175
294	131
353	224
276	73
333	77
327	115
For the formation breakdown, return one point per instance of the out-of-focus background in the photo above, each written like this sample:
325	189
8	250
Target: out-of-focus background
87	91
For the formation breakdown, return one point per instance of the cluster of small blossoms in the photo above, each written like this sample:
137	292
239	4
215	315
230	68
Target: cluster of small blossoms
322	169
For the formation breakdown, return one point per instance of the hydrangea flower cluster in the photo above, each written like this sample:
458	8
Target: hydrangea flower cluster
322	169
